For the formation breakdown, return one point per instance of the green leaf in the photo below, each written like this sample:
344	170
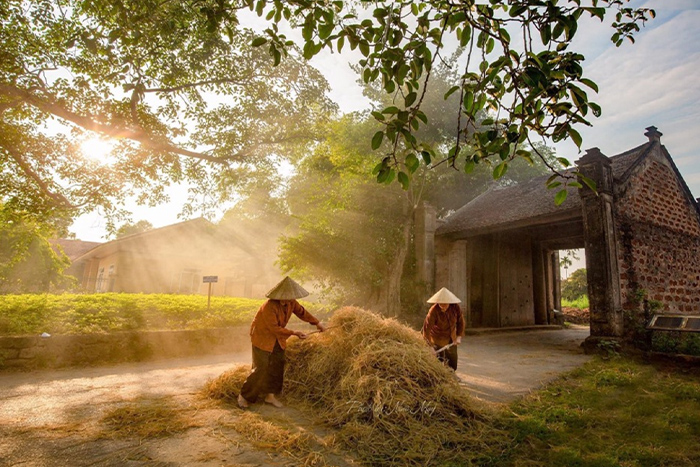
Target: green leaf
489	45
517	10
258	41
364	48
410	99
588	182
341	42
466	35
404	180
325	30
560	197
451	91
546	33
309	50
426	157
575	137
412	163
377	140
589	83
378	115
500	170
390	177
469	166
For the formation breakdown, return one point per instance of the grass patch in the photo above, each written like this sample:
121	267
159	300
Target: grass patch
614	412
147	419
113	312
581	302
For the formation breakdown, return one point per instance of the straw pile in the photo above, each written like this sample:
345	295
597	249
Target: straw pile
228	385
380	385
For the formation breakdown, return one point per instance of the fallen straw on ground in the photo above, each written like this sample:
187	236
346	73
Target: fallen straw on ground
378	383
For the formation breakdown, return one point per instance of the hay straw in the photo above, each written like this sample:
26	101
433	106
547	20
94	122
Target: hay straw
378	383
263	434
147	419
228	385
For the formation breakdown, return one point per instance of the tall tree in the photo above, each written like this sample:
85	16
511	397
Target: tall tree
353	236
176	84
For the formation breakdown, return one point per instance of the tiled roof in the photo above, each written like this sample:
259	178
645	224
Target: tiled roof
500	206
74	248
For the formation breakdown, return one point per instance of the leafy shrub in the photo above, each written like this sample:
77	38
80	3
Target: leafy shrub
110	312
575	286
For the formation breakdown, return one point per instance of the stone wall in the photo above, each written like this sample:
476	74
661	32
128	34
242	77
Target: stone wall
31	352
659	242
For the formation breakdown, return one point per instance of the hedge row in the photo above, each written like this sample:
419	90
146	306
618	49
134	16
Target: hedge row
111	312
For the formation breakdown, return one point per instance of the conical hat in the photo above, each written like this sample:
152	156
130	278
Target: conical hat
287	289
444	296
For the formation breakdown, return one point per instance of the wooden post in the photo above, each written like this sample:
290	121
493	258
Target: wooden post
209	298
209	280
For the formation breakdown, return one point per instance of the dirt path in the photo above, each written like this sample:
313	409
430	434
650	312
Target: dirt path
51	417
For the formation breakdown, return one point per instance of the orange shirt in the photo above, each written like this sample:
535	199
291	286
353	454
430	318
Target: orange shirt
270	321
442	327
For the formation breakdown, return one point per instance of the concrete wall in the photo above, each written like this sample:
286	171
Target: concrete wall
23	353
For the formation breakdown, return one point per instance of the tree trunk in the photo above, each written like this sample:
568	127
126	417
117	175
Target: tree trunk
388	299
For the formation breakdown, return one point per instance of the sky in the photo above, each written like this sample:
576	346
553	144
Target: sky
652	82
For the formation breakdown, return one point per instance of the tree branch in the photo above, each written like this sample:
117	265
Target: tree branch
194	85
90	123
144	138
58	198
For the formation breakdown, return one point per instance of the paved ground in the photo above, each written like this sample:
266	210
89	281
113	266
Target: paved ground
496	367
502	366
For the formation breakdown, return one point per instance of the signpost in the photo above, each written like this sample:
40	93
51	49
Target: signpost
209	280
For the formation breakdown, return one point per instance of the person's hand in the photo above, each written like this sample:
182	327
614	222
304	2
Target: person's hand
459	340
300	334
320	327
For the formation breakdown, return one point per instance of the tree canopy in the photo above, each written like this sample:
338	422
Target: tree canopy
518	66
176	84
188	99
131	229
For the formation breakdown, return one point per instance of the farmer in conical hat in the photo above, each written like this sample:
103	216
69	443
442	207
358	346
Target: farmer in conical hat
269	335
444	325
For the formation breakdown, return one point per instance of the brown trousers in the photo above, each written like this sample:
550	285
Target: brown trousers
267	376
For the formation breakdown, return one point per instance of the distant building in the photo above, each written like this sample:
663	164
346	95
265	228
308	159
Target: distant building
640	231
74	248
174	259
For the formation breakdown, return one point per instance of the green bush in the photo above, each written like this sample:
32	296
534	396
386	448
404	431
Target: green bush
110	312
575	286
